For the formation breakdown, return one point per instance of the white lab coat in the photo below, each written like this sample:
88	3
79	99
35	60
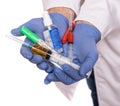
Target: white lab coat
105	15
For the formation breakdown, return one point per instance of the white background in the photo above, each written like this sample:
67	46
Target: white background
21	82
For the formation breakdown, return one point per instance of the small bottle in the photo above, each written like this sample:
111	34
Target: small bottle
51	34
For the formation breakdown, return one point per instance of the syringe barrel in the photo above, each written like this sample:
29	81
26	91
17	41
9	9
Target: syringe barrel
60	60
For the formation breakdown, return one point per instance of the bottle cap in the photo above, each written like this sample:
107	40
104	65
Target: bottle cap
46	19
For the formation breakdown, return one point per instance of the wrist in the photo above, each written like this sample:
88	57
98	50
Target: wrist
64	11
86	29
59	17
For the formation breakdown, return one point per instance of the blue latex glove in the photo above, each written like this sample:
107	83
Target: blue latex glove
86	37
67	75
36	25
84	48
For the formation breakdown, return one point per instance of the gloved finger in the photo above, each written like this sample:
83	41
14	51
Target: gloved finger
26	52
44	65
76	61
50	68
88	65
36	59
63	77
16	31
71	72
50	77
36	25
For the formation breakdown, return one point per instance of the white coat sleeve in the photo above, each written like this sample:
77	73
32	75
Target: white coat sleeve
98	13
73	4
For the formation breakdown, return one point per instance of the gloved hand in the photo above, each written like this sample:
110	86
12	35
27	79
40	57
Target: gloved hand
36	25
84	48
86	37
67	75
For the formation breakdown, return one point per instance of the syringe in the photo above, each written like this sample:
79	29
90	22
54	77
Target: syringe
47	54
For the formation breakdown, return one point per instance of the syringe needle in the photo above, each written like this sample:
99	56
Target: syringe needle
18	40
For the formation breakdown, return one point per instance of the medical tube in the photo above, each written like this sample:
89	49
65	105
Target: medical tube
51	34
